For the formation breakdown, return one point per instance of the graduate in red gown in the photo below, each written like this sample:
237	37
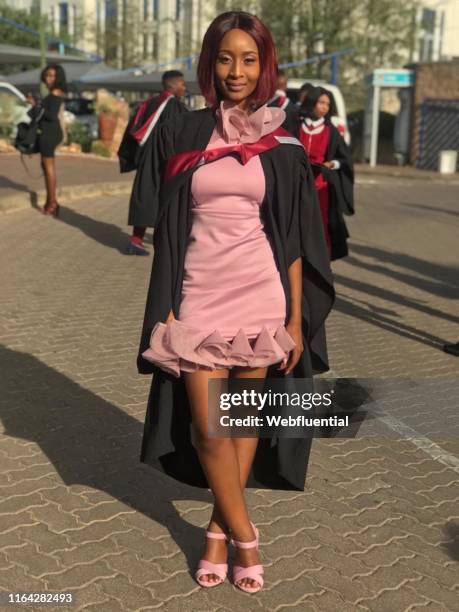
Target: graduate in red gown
331	164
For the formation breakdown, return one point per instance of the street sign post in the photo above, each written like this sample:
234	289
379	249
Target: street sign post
380	78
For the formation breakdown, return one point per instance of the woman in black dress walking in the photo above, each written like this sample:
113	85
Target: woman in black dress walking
50	133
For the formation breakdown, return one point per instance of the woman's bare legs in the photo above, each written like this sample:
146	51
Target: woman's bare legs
49	169
226	463
245	451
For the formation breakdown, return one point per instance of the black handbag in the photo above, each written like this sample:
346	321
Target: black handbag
26	140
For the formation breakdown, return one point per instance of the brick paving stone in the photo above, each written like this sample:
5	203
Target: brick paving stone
78	576
291	590
34	562
88	595
144	547
378	515
433	590
54	517
108	605
349	590
397	599
96	532
86	553
66	498
16	503
45	540
15	578
11	522
137	571
132	596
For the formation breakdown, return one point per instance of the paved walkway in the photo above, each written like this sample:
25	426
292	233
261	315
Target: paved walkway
376	528
22	183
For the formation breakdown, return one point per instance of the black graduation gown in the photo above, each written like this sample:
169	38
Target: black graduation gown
288	108
144	195
293	225
340	184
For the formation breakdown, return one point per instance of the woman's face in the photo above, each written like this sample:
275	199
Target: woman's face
50	78
322	106
238	66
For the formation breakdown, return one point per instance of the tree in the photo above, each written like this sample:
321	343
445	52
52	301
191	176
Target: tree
381	33
11	35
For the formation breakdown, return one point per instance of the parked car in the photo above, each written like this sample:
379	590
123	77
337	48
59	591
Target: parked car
84	112
340	119
13	110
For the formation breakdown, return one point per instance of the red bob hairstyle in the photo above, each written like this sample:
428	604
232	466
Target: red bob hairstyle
211	44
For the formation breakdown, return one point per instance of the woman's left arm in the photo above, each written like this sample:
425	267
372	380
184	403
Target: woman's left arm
294	323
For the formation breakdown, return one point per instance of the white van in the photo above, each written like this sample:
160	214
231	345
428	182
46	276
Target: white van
339	120
13	109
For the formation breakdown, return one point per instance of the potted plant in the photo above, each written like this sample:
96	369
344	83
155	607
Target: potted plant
107	116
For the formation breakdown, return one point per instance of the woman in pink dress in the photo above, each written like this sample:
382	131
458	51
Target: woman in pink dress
240	283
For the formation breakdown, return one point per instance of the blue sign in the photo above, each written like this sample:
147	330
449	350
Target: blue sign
392	78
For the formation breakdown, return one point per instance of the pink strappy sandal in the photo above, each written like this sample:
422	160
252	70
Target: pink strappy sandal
207	567
253	572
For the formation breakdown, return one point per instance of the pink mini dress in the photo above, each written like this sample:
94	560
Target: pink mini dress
232	309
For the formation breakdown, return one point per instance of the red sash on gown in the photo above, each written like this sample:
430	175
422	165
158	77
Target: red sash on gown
316	146
141	132
181	162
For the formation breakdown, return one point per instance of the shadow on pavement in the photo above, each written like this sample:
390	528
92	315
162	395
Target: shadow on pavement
435	209
390	296
444	281
91	442
451	547
348	307
107	234
7	183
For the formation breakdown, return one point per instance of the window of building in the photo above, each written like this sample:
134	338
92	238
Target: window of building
111	17
74	23
178	4
155	10
427	35
428	21
51	21
145	9
177	44
63	17
110	11
155	46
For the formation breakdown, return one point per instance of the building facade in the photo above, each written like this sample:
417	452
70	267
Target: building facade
128	32
437	31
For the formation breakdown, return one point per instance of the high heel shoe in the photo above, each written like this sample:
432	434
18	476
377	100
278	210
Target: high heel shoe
51	209
207	567
253	572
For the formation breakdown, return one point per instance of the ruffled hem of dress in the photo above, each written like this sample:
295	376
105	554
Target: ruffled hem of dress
176	347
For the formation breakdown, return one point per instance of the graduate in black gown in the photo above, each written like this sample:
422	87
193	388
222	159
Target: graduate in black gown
237	64
134	153
280	98
331	163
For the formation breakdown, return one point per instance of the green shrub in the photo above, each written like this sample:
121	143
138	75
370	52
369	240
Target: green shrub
78	133
7	132
99	148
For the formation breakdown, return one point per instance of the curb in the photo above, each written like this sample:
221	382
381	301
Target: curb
398	173
32	199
